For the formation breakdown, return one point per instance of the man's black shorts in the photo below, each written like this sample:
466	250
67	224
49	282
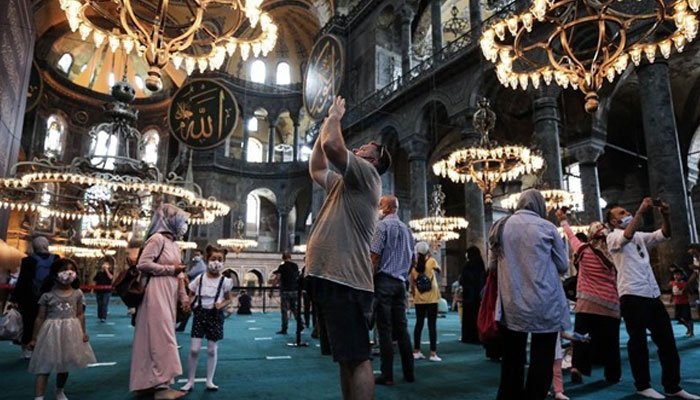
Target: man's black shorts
345	314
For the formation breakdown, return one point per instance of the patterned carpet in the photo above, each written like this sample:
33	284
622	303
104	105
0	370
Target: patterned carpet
255	363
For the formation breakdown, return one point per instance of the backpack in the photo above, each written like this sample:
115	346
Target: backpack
128	283
423	283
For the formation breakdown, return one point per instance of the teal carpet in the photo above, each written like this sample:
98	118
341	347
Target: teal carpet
255	363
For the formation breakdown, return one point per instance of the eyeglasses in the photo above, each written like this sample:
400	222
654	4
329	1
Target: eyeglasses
380	148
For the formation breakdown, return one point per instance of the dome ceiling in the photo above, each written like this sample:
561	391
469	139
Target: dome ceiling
298	24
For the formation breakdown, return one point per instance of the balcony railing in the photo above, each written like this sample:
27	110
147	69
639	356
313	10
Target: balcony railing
449	53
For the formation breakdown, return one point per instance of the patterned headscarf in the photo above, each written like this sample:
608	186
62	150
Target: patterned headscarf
167	219
597	232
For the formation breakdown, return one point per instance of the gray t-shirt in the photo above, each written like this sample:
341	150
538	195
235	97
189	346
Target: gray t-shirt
339	244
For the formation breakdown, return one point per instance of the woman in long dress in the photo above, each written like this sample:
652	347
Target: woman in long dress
155	360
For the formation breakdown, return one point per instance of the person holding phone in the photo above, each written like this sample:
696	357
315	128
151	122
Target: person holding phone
640	298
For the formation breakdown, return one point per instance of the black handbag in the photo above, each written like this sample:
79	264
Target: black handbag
570	287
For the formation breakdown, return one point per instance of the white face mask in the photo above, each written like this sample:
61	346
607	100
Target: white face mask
66	277
215	266
625	221
197	258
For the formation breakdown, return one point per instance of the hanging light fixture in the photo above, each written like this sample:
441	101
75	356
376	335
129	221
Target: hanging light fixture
487	163
238	243
583	42
437	227
80	252
456	25
554	199
186	245
187	33
113	190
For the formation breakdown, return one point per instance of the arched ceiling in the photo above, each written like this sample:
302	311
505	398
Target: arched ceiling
298	21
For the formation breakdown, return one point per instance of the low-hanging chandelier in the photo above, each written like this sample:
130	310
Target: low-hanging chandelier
553	198
238	243
583	42
487	163
114	192
194	34
186	245
80	252
437	227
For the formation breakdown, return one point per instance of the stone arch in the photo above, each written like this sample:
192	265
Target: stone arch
233	275
261	217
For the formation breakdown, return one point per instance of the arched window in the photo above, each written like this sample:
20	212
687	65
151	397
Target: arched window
252	216
283	74
65	62
104	146
257	71
149	149
255	150
253	124
55	131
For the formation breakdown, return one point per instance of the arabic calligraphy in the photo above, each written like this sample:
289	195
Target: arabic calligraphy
323	76
203	114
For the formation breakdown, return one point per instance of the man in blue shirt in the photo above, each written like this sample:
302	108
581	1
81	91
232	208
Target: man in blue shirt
392	257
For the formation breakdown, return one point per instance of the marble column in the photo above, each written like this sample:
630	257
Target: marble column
282	236
17	37
546	134
406	13
666	177
271	139
475	215
417	149
436	24
295	156
246	136
587	153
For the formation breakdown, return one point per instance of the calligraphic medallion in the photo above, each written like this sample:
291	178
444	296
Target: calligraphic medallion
324	75
35	89
203	114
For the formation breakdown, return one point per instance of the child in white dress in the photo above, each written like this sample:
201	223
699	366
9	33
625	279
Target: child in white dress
213	293
60	341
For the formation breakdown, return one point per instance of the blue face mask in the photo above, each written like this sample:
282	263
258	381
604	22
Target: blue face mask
625	221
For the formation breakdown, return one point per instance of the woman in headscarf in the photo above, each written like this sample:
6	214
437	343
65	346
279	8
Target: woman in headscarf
597	303
530	255
33	271
155	361
472	280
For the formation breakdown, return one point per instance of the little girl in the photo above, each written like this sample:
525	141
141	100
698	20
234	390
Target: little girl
212	293
557	380
60	341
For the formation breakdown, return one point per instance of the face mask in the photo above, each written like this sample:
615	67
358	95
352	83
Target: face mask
66	277
215	266
181	230
197	258
625	221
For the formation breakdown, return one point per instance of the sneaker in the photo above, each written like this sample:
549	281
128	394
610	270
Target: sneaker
187	387
682	394
212	387
650	393
380	380
418	356
435	358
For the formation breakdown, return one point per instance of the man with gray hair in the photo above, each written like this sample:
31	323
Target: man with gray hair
33	270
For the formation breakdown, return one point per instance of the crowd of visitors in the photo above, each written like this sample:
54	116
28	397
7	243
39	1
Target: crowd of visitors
362	264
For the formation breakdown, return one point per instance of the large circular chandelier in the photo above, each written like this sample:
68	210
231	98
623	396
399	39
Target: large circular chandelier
189	33
583	42
80	252
437	227
554	199
487	163
108	190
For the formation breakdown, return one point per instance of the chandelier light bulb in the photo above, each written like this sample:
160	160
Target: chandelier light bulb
98	37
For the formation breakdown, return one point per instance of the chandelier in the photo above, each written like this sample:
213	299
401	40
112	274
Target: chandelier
238	243
456	25
583	42
487	164
189	33
299	248
554	199
437	227
80	252
110	191
186	245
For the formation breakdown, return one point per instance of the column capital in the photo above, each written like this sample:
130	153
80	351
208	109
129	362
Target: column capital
406	12
416	147
587	151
